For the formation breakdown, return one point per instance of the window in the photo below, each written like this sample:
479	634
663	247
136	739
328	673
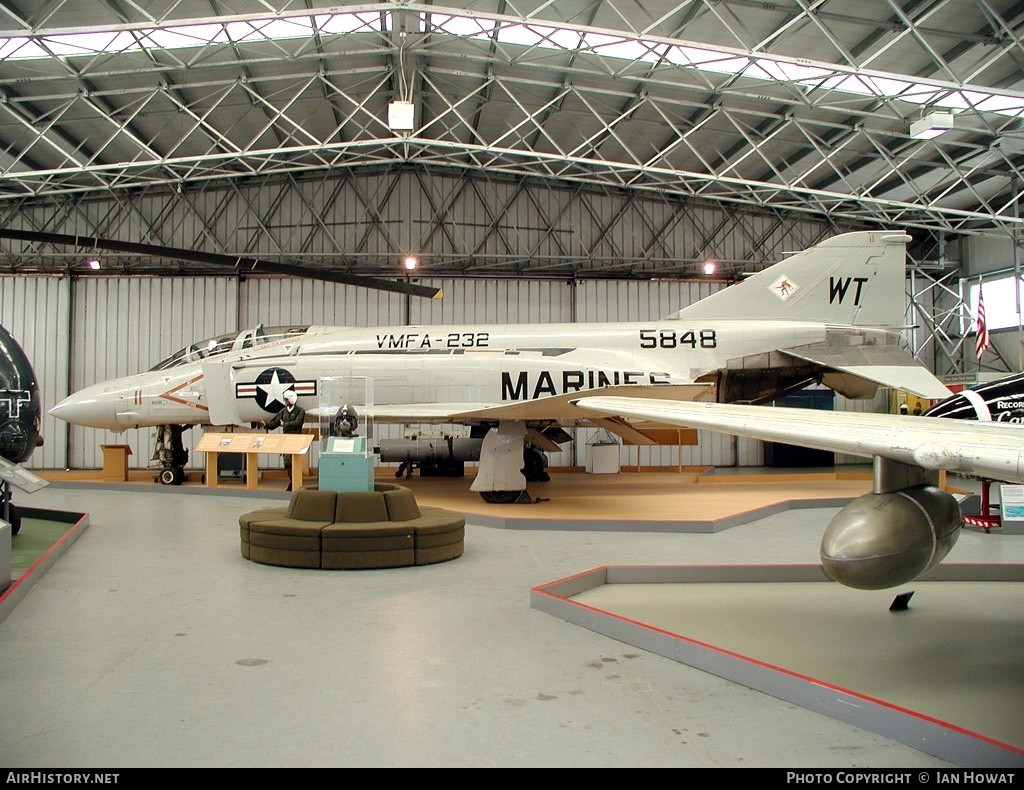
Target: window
1000	305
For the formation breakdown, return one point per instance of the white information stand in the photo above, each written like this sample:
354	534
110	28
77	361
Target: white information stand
1011	507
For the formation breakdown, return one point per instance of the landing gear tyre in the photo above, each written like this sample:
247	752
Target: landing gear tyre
172	476
534	464
501	497
15	517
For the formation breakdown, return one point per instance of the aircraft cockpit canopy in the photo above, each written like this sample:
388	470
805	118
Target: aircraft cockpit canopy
236	341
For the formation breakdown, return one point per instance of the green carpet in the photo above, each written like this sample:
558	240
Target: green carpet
34	539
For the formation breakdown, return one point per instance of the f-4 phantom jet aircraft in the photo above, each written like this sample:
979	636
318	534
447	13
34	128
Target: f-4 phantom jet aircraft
830	314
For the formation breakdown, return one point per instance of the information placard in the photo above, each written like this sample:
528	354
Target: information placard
1011	504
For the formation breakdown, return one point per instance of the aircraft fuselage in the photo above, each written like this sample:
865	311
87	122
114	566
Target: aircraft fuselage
463	366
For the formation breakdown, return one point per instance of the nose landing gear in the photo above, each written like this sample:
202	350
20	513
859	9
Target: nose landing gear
171	454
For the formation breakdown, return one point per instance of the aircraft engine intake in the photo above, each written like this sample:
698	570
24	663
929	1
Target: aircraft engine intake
884	540
17	442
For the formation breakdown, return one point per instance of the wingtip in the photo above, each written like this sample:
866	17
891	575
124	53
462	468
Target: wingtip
439	294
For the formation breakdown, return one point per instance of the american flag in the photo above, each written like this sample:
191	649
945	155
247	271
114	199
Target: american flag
983	340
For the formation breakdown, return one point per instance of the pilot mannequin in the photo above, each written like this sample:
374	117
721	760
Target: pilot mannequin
290	418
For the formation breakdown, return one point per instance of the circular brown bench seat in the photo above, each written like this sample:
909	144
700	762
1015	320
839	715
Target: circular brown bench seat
339	530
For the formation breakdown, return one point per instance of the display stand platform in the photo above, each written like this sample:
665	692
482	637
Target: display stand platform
253	445
345	465
115	462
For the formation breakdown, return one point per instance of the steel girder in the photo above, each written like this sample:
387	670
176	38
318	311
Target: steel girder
538	91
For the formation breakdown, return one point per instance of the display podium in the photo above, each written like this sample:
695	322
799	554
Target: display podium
253	445
345	465
603	454
603	459
115	462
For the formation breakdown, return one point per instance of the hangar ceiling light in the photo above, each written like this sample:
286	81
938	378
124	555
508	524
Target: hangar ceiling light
931	125
401	116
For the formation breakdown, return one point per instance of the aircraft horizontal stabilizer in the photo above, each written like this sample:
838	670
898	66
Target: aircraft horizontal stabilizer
889	366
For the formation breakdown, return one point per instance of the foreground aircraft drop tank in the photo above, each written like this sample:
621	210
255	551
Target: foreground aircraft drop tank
884	540
439	452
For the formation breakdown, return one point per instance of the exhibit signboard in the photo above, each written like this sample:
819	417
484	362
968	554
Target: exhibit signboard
1011	507
253	445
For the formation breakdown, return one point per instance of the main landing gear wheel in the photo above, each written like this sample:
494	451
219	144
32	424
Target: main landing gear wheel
534	463
172	475
507	497
14	516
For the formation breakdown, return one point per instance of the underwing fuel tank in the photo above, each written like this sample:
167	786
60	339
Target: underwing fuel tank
431	450
884	540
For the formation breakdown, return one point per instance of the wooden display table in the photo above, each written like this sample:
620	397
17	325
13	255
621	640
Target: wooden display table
115	462
253	445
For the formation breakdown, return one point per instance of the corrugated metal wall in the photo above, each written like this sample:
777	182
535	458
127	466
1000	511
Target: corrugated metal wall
124	325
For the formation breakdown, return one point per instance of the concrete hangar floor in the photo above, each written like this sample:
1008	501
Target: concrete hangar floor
151	642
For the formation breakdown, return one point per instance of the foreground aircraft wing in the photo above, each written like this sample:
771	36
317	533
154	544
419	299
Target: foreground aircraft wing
993	450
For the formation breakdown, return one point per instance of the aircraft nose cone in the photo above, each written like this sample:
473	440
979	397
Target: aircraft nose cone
84	408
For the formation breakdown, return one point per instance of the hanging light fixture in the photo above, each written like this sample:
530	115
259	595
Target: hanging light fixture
931	125
401	116
402	111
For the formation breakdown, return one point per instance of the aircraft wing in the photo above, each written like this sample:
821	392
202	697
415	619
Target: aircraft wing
563	407
889	366
556	408
993	450
559	408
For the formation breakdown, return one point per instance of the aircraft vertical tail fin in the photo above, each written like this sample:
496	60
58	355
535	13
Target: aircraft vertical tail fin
852	279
